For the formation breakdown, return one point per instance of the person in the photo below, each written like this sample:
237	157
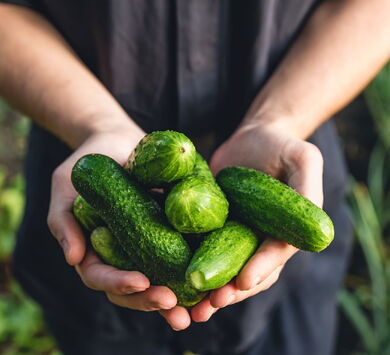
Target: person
252	83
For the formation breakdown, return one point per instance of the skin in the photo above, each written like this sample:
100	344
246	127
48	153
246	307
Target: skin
332	60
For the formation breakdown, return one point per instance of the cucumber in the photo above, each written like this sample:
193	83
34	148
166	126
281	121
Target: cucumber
221	256
112	253
197	204
187	296
109	249
265	203
135	219
86	215
162	157
202	170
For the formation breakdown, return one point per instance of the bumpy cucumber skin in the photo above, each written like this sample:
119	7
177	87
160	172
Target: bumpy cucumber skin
221	256
162	157
135	219
196	206
86	215
274	208
109	249
201	169
112	253
187	296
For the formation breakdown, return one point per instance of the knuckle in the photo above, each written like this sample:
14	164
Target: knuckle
58	174
60	177
312	153
52	224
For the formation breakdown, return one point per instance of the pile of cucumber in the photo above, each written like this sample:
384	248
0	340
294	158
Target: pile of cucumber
131	230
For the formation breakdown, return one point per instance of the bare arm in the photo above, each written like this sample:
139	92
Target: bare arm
342	47
41	76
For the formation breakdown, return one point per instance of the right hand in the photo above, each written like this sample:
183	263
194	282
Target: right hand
130	289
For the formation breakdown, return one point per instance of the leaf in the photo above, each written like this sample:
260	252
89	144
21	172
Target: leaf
351	307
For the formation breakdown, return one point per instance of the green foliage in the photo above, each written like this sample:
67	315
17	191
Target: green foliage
22	330
377	97
367	302
11	208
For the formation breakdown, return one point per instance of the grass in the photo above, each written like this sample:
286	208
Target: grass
366	301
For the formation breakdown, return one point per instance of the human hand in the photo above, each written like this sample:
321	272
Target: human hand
271	149
130	289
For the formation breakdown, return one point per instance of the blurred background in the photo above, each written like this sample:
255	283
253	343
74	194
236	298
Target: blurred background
364	301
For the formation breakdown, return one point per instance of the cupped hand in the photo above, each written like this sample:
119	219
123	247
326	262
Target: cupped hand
130	289
272	150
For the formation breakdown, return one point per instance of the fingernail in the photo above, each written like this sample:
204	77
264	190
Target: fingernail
176	330
231	299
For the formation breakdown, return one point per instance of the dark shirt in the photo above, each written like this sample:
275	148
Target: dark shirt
194	66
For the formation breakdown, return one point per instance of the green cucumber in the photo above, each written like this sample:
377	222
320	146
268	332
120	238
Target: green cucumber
187	296
195	205
112	253
201	169
162	157
221	256
134	218
274	208
86	215
109	249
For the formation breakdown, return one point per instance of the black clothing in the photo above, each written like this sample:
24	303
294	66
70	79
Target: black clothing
194	66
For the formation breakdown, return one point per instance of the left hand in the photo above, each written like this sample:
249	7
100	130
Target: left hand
271	149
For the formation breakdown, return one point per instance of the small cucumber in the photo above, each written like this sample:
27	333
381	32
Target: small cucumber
162	157
195	205
274	208
221	256
135	219
201	169
86	215
109	249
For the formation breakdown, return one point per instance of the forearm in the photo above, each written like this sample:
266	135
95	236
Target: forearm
342	47
42	77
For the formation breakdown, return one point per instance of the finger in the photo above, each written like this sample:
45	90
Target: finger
153	299
224	295
99	276
61	221
230	294
177	317
203	311
303	163
271	254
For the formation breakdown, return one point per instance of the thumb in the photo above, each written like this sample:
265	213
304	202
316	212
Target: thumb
303	164
61	221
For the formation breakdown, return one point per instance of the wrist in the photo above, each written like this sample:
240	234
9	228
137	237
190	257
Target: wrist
122	127
282	122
